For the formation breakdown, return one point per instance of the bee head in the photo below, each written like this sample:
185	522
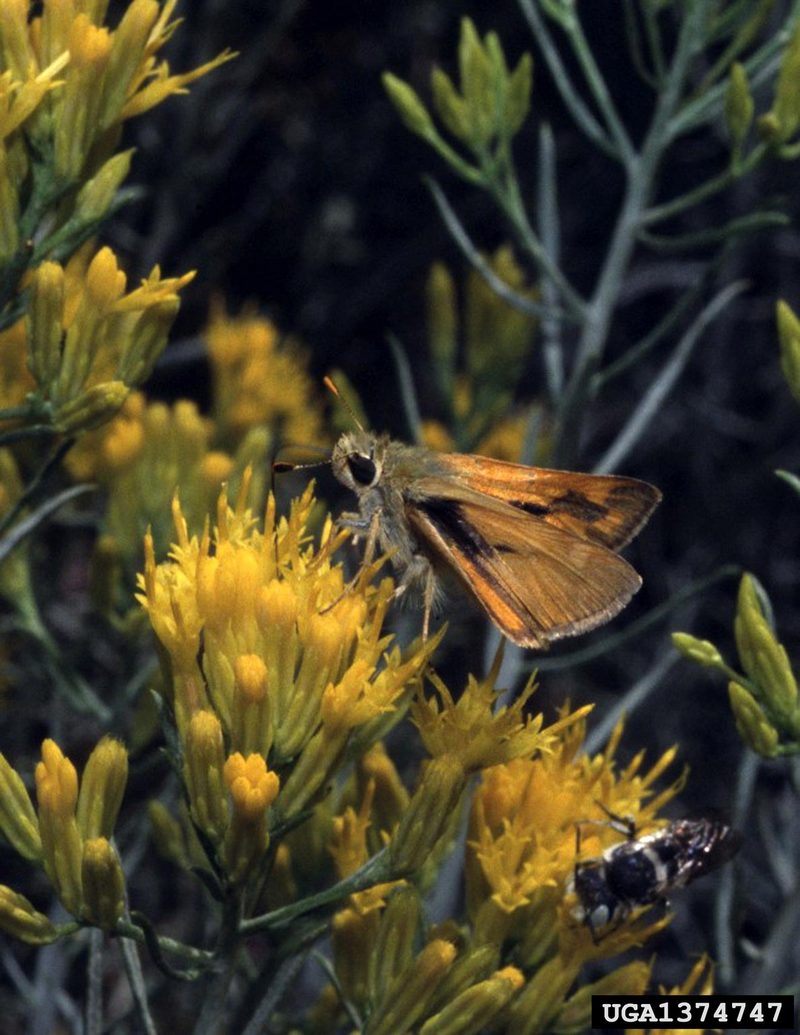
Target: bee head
357	460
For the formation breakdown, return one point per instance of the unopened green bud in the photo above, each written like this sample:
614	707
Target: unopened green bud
450	105
518	97
763	658
751	722
786	106
769	128
789	336
442	321
701	651
739	105
477	85
19	919
408	105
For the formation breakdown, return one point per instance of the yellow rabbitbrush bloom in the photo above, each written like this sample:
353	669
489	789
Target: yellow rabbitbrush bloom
68	824
109	75
141	457
464	737
522	835
253	788
88	342
235	592
259	378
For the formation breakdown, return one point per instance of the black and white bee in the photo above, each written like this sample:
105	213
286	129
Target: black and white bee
644	870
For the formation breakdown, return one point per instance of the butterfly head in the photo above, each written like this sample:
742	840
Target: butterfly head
357	460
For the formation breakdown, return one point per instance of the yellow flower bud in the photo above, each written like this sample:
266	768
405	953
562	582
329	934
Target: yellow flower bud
105	281
253	789
102	787
62	851
576	1014
476	1007
204	760
391	796
396	935
539	1003
753	726
251	719
19	919
429	813
9	206
56	781
216	468
81	96
353	945
412	990
91	408
17	816
17	52
127	53
103	884
45	322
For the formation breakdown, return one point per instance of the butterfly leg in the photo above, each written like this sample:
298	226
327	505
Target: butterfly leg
358	523
419	572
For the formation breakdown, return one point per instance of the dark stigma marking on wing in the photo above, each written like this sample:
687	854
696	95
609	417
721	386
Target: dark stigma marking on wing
448	517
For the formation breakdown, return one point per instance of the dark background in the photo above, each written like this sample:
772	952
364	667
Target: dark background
286	177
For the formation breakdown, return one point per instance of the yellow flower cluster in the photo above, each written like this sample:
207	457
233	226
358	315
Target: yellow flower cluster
88	340
521	855
69	835
106	75
141	457
259	378
271	660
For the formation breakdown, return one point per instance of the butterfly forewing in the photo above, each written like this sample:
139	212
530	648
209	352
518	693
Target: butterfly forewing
608	509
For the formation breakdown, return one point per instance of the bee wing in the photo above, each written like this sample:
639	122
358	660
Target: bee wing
536	581
605	508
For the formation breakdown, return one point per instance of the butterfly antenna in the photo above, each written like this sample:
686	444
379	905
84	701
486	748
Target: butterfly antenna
282	466
330	384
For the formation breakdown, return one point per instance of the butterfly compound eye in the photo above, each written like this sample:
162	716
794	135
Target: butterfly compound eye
362	468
